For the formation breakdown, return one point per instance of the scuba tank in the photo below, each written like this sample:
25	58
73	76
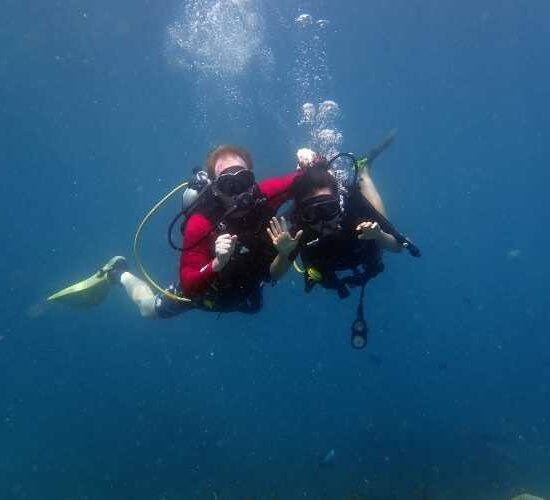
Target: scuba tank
191	193
190	197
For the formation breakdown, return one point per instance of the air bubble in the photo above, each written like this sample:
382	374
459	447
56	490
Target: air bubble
304	20
329	110
308	113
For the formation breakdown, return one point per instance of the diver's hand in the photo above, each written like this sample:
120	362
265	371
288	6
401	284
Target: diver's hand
280	236
369	231
308	158
225	246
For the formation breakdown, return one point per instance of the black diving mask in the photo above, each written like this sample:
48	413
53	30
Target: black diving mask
234	181
237	190
322	208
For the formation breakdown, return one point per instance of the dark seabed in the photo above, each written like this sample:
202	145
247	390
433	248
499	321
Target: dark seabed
104	106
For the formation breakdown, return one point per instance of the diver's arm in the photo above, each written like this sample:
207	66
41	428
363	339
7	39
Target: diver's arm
370	230
196	261
277	190
369	191
388	242
284	243
279	267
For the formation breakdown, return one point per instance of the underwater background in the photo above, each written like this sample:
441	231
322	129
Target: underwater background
104	106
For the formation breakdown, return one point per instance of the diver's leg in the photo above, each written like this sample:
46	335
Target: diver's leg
369	191
140	294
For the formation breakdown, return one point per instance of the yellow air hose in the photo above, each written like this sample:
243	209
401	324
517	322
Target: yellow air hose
137	245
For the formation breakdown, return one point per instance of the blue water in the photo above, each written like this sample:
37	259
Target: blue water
450	400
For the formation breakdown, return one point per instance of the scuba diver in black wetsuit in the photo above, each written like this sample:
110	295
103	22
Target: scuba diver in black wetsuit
345	230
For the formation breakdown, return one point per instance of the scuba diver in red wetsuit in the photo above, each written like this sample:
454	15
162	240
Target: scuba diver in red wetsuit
232	243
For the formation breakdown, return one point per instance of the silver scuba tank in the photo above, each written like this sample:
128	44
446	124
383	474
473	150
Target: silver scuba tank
190	196
191	192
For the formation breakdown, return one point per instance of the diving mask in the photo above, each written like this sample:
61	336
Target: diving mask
322	208
234	181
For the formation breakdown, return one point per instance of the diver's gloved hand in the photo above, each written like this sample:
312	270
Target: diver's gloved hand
225	246
308	158
281	238
369	231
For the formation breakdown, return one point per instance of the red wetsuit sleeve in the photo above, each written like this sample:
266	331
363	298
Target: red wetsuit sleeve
277	190
196	259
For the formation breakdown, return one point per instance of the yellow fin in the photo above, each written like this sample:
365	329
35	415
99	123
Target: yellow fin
85	293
